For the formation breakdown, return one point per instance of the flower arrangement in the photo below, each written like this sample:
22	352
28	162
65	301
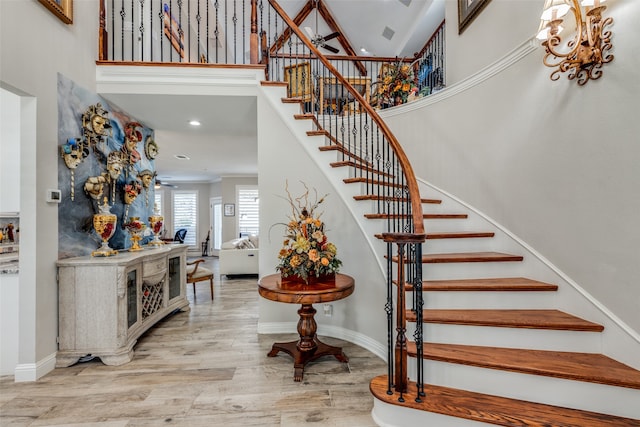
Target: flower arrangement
397	85
306	251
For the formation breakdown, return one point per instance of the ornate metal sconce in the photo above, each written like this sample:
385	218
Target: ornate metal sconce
582	54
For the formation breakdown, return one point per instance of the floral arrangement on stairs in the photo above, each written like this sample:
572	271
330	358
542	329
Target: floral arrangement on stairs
306	255
397	86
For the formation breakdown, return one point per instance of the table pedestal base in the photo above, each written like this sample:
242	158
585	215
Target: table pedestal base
308	347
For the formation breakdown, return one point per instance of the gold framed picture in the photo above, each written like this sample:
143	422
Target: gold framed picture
63	9
467	12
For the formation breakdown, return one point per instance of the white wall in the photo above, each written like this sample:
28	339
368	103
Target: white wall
9	151
9	202
555	163
499	27
35	46
360	318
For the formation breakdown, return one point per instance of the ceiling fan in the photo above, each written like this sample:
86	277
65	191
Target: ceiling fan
159	184
317	39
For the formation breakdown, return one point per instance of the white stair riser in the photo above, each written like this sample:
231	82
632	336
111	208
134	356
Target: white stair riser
487	300
459	244
468	270
533	339
581	395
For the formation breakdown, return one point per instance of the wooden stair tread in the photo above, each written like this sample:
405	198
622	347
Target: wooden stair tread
460	234
529	319
393	199
291	100
305	116
587	367
273	83
336	146
425	216
494	409
363	180
453	235
360	165
493	284
467	257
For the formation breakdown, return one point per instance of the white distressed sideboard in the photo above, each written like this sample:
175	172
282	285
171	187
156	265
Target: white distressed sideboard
106	303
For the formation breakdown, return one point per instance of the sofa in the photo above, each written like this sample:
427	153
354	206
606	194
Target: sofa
239	256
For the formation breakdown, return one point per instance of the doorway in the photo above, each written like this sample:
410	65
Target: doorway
215	211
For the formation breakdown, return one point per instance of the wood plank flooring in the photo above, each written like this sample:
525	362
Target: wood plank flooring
206	367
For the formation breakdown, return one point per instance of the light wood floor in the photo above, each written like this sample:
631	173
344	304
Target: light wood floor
206	367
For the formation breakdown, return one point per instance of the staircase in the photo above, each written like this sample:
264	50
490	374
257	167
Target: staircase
506	366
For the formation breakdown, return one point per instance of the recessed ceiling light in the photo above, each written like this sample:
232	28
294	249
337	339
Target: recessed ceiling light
194	123
181	157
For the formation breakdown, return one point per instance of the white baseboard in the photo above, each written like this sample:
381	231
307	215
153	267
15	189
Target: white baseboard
354	337
33	371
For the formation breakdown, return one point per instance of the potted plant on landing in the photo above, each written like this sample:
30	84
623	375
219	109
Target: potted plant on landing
307	255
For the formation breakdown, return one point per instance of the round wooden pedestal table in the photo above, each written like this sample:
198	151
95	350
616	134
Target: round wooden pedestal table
308	347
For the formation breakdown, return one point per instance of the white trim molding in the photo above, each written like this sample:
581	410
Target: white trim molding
525	48
33	371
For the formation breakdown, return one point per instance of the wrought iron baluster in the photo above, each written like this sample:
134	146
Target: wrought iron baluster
226	34
141	29
244	38
132	30
198	19
151	30
161	24
188	38
234	19
217	31
388	308
419	331
180	32
122	15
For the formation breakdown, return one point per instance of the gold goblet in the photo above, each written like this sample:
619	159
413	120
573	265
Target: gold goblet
135	227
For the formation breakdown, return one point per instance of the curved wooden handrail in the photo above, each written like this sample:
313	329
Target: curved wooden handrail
412	184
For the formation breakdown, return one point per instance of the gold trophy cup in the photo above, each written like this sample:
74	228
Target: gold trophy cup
104	223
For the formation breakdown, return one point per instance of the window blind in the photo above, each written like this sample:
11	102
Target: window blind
157	203
248	210
185	214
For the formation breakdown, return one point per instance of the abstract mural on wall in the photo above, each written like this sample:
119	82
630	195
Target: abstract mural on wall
103	155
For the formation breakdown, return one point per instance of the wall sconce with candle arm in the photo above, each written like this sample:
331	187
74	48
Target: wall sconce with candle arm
583	53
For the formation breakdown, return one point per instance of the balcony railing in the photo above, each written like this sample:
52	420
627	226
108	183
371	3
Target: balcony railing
243	32
340	94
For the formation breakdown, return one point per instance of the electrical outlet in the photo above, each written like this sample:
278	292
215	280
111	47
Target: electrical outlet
328	310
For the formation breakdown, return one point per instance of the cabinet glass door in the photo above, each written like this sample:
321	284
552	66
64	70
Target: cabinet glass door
132	298
174	277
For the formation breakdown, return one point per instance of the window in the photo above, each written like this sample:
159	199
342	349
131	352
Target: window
158	202
248	209
185	214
